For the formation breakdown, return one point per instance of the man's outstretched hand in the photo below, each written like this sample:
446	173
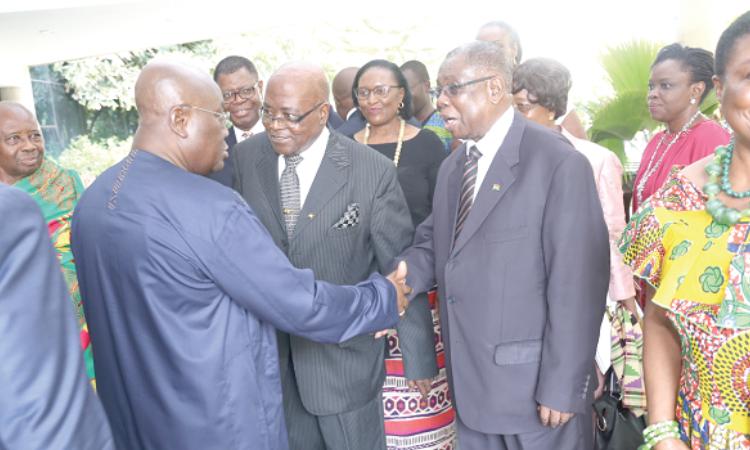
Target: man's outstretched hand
398	279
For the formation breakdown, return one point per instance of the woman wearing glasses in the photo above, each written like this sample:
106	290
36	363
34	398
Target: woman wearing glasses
382	93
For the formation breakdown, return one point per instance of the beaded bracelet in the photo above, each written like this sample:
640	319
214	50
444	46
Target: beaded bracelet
655	433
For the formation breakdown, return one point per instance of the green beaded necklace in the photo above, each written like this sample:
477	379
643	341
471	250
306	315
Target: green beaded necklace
718	170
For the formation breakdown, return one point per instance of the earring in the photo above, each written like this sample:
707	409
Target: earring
401	105
692	101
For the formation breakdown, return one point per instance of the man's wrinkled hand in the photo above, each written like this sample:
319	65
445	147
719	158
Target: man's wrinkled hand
398	278
424	386
553	418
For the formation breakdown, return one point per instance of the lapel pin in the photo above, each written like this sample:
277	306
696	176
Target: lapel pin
496	187
311	216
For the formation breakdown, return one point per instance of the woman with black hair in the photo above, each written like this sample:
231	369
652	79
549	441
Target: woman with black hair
690	241
382	93
418	410
681	78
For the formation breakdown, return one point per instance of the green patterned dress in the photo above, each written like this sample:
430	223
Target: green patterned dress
56	191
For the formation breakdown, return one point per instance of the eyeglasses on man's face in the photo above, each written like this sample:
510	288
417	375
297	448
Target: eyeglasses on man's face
246	93
221	116
381	92
454	89
288	119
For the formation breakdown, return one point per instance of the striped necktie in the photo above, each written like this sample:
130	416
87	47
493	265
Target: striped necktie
468	182
290	196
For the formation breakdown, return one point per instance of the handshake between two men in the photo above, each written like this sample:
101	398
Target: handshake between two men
398	279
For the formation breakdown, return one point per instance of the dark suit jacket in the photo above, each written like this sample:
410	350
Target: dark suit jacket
224	176
338	378
522	290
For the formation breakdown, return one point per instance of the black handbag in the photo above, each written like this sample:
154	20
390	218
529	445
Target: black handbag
617	428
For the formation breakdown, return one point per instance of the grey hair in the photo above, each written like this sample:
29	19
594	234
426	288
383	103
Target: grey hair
485	56
546	81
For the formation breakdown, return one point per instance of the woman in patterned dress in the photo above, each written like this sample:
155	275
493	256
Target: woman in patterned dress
691	242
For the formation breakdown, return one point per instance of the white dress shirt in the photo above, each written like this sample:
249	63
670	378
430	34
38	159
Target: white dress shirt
257	128
308	167
489	144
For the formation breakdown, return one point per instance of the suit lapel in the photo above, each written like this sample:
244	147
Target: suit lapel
453	186
496	182
332	175
268	175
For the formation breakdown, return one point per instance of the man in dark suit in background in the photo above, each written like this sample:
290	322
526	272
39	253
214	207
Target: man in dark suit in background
242	91
518	247
336	207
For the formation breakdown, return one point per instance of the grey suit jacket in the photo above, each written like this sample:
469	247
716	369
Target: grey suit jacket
337	378
522	289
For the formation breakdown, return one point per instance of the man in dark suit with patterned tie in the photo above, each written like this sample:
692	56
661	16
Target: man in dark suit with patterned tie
336	207
241	89
519	249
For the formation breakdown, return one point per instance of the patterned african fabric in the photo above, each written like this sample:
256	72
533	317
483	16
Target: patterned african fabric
700	271
410	422
56	191
626	334
436	124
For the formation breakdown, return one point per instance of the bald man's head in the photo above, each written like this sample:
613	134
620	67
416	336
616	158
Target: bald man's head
21	143
343	83
295	107
180	116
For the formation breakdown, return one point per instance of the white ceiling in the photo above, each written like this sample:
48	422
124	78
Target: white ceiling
40	32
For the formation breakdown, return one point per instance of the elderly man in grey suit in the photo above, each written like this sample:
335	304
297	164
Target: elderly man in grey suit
334	206
518	247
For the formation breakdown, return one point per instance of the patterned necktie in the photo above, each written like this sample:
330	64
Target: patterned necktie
468	182
245	135
290	198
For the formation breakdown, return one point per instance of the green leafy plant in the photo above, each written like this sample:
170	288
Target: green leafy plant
90	159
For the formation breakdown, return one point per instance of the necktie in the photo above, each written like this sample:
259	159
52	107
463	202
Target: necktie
245	135
290	198
468	182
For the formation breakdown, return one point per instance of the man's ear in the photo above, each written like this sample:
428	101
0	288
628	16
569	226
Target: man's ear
179	119
325	110
496	89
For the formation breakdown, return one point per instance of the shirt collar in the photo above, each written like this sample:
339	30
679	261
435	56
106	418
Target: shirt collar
313	155
257	128
490	143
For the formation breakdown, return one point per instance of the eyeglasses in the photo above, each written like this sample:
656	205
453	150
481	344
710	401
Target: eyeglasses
246	93
525	107
380	92
286	118
222	117
454	89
